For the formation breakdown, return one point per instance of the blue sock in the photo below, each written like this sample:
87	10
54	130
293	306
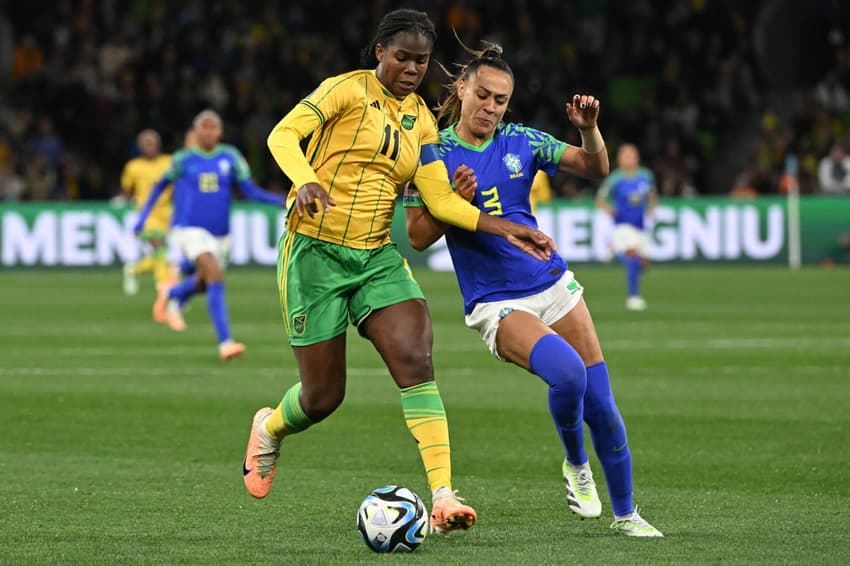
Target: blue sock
184	290
560	366
633	274
608	434
187	267
217	307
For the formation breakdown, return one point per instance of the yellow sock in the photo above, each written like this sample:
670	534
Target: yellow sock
143	265
426	419
161	271
289	417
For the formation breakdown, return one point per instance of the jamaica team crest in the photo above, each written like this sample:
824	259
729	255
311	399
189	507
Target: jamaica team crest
408	121
299	322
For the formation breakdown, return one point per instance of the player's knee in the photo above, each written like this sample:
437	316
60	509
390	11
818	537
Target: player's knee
559	365
412	367
318	405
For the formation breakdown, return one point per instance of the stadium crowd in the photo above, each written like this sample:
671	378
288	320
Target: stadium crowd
79	79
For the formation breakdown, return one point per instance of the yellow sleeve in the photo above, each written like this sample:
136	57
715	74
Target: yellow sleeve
325	103
432	180
127	179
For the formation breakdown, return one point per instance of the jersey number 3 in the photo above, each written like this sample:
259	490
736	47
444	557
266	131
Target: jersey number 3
492	205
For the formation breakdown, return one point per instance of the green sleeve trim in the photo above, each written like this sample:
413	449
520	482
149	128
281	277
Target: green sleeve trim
315	109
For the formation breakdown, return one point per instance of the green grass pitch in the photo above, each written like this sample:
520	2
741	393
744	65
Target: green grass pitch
122	442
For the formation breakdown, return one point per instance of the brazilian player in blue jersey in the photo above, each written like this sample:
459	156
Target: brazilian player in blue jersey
203	177
629	196
528	311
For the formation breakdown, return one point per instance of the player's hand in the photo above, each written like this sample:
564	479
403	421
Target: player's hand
583	111
306	199
465	182
531	241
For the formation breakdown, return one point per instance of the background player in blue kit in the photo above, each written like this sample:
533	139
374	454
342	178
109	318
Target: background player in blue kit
203	177
629	196
528	311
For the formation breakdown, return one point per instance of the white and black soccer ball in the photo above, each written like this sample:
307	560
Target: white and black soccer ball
392	519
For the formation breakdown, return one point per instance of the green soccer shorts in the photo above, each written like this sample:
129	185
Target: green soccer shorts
323	286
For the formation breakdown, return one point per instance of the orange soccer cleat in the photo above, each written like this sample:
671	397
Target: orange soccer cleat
229	350
174	317
449	514
261	457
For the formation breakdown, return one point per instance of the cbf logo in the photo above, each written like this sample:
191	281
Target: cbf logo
224	166
514	165
639	195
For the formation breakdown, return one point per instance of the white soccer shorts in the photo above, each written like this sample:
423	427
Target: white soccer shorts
194	241
626	237
550	306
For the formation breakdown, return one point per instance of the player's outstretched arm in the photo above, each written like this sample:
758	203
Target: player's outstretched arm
591	159
255	193
156	192
446	206
422	228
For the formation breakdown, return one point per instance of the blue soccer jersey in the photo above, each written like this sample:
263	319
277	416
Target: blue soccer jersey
203	183
488	267
630	195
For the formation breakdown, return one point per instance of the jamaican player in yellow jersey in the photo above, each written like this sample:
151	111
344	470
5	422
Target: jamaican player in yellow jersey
139	176
369	135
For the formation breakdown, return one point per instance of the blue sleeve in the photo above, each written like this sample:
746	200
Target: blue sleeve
156	192
546	148
255	193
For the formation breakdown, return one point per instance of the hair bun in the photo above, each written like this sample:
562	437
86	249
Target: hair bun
492	52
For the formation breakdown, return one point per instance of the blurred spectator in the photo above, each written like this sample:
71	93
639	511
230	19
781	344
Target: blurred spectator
27	60
11	183
677	76
831	94
46	143
834	171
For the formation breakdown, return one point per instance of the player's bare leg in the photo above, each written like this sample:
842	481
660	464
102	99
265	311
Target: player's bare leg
320	391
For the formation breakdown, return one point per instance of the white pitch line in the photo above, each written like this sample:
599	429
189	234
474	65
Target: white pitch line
696	345
165	371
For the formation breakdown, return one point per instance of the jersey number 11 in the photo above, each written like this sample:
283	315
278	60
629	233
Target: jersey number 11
390	132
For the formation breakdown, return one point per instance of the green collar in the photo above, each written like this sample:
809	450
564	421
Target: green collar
468	145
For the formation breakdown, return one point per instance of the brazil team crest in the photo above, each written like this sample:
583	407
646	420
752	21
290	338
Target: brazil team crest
299	322
408	121
512	162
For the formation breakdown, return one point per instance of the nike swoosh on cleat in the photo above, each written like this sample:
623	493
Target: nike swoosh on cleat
245	470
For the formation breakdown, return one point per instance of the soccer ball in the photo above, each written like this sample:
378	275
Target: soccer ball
392	519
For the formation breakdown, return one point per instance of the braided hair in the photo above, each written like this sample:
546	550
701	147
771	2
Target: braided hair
448	111
397	21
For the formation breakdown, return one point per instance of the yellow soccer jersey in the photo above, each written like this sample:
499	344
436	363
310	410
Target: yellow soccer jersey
138	178
541	190
365	146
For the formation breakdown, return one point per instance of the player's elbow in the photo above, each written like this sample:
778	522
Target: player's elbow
281	139
604	169
418	240
597	168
